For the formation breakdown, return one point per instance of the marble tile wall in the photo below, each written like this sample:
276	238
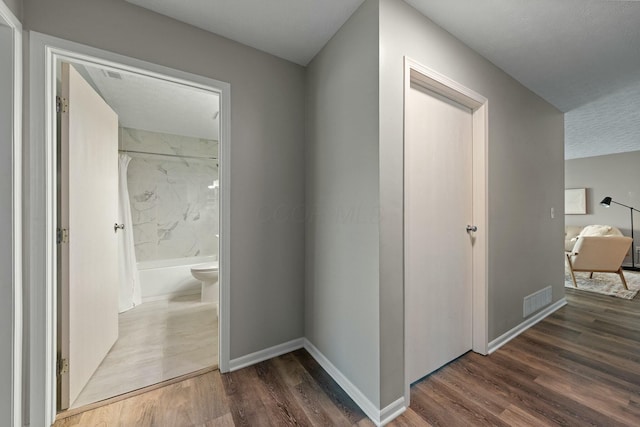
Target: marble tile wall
162	143
174	212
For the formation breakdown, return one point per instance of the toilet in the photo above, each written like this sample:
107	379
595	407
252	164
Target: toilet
207	274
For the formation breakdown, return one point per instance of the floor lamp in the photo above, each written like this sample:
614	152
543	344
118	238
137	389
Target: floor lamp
606	202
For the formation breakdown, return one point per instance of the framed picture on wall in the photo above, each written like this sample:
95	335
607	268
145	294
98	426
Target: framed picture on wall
575	201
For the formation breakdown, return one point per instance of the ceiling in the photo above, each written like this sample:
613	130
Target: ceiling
291	29
155	105
582	56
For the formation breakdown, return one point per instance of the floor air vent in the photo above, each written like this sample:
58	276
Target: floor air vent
536	301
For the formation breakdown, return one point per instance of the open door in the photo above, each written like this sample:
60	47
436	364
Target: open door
88	207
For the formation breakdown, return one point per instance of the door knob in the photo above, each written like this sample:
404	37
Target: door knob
116	226
472	228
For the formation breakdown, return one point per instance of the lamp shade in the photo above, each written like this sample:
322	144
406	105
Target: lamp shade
606	202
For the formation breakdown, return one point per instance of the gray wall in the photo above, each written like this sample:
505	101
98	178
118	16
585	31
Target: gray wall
267	150
525	181
525	167
6	219
342	201
15	6
614	175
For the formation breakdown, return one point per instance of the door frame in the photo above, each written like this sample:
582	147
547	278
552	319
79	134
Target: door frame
14	277
442	85
44	53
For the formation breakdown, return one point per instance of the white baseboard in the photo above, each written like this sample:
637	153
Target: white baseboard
392	410
266	354
379	417
167	297
511	334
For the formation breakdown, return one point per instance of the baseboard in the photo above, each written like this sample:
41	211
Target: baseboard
167	297
392	410
266	354
511	334
379	417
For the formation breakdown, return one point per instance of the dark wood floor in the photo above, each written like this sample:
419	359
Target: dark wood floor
289	390
578	367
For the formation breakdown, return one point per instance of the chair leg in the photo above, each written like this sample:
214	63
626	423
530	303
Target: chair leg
591	275
624	282
573	276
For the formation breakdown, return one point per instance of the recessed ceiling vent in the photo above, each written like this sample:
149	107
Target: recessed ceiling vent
112	74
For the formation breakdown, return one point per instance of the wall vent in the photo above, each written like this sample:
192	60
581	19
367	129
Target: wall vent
536	301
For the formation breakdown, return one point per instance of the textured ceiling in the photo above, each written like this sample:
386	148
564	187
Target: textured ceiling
158	106
583	56
291	29
606	126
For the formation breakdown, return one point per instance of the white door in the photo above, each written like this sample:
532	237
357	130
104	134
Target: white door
88	211
438	207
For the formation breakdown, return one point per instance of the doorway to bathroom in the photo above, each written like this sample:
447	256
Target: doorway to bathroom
138	229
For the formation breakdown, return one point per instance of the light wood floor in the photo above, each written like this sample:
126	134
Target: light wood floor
578	367
157	341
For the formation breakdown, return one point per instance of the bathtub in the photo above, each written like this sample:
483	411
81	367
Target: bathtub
163	279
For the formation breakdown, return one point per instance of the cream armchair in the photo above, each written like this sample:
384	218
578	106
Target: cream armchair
572	232
599	254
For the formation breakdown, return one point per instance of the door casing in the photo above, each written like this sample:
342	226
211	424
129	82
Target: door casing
442	85
11	249
44	53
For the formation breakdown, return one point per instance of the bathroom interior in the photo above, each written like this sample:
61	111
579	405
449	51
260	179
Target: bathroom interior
167	231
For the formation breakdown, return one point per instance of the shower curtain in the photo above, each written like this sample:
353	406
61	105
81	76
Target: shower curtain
129	292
